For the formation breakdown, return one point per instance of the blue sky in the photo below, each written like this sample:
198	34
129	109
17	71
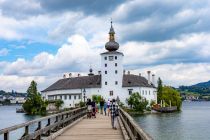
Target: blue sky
42	40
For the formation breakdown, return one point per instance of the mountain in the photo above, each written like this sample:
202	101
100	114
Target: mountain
203	84
200	88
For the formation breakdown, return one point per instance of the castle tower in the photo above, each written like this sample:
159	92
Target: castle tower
111	68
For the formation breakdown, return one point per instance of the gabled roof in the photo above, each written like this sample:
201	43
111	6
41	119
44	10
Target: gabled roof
94	81
130	80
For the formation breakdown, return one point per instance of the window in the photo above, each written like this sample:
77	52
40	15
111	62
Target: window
145	92
142	92
60	96
111	58
111	93
75	97
116	82
149	92
69	97
105	72
105	83
115	57
105	58
79	96
55	97
105	65
130	91
115	64
65	97
115	71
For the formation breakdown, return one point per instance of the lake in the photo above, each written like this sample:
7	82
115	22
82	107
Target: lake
9	117
192	123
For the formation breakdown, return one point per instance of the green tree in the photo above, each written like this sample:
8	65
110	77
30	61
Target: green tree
171	95
137	102
159	90
96	98
58	103
34	104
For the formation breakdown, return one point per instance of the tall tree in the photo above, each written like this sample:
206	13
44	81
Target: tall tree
34	104
159	90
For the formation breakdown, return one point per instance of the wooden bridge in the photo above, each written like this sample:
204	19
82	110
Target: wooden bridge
73	125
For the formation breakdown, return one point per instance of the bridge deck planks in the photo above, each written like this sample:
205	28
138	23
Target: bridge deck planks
98	128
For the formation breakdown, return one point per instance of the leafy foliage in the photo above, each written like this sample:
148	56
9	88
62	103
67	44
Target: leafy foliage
58	103
136	102
34	105
159	90
170	94
96	98
82	104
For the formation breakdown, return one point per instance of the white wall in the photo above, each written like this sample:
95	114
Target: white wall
111	77
71	102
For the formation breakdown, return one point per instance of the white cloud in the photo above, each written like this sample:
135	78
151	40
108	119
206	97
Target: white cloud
4	52
179	74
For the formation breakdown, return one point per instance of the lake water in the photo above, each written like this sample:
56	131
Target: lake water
9	117
192	123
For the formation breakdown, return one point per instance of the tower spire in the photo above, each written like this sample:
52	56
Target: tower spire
112	45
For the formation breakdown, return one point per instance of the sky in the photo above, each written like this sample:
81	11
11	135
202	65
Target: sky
43	39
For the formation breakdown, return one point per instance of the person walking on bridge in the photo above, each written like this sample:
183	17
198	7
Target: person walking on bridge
114	113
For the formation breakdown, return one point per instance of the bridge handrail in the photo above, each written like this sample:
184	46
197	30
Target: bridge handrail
69	116
134	131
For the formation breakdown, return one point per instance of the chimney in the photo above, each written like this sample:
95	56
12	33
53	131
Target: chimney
148	72
139	74
78	75
70	75
153	79
128	72
64	76
99	72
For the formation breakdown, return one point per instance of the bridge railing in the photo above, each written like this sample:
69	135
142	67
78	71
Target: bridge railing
53	124
134	131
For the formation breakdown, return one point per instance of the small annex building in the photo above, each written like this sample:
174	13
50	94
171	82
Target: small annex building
110	82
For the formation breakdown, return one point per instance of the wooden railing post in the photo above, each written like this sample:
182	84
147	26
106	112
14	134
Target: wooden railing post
6	136
48	124
38	128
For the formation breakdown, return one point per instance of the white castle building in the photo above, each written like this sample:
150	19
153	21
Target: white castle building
111	82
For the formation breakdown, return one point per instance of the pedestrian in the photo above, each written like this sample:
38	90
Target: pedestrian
114	113
105	107
108	107
89	108
101	105
94	109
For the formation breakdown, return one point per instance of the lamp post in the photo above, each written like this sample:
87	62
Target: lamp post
84	91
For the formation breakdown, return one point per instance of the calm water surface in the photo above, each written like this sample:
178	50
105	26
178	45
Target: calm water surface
9	117
193	123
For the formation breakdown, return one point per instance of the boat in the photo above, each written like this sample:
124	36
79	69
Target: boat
170	109
20	110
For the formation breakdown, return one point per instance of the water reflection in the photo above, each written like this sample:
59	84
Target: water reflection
192	123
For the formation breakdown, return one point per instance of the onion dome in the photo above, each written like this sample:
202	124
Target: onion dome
111	45
91	72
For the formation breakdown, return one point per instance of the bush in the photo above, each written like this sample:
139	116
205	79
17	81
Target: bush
82	104
136	102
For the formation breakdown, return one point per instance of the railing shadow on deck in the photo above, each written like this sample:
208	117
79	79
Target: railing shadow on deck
134	131
54	123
